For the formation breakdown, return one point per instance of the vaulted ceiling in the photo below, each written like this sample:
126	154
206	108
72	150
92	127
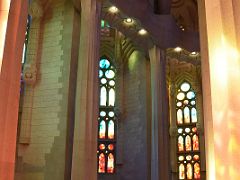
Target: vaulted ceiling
170	23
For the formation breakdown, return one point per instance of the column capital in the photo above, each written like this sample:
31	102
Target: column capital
36	9
30	74
173	131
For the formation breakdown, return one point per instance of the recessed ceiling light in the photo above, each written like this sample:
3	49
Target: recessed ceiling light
113	9
142	32
193	53
178	49
128	20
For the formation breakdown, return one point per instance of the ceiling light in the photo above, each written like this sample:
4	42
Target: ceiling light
128	20
178	49
193	53
113	9
142	32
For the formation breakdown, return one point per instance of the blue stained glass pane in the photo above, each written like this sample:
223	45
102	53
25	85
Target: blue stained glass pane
104	63
190	95
194	115
100	73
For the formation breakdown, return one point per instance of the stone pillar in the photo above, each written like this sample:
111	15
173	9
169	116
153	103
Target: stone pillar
220	51
160	166
84	161
30	71
10	86
173	130
4	10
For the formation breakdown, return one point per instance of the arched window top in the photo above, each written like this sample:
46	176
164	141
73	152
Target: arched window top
186	104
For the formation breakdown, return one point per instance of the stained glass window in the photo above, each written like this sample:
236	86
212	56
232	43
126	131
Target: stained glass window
106	119
188	151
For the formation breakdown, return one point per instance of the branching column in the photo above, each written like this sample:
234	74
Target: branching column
84	161
160	166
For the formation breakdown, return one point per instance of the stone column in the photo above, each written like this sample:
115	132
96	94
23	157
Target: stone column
220	51
160	166
10	86
30	71
4	10
84	161
173	130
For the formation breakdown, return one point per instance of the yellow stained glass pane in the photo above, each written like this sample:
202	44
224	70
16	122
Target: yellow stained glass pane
180	96
179	117
189	171
180	144
186	115
181	171
110	164
196	171
188	143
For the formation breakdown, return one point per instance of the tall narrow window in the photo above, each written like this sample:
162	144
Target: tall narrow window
106	119
188	152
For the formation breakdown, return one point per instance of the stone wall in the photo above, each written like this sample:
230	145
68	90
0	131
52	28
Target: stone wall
43	158
135	119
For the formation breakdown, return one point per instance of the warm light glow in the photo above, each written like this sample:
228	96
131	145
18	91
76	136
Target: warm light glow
128	21
4	10
193	53
113	9
142	32
178	49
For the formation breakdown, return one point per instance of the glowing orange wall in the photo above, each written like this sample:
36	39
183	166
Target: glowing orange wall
4	10
219	31
11	55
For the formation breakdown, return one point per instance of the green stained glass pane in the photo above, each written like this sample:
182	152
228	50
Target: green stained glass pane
102	130
111	130
102	23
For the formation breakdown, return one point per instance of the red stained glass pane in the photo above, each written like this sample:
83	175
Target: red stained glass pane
194	129
196	171
195	143
110	147
101	163
196	157
101	146
110	164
